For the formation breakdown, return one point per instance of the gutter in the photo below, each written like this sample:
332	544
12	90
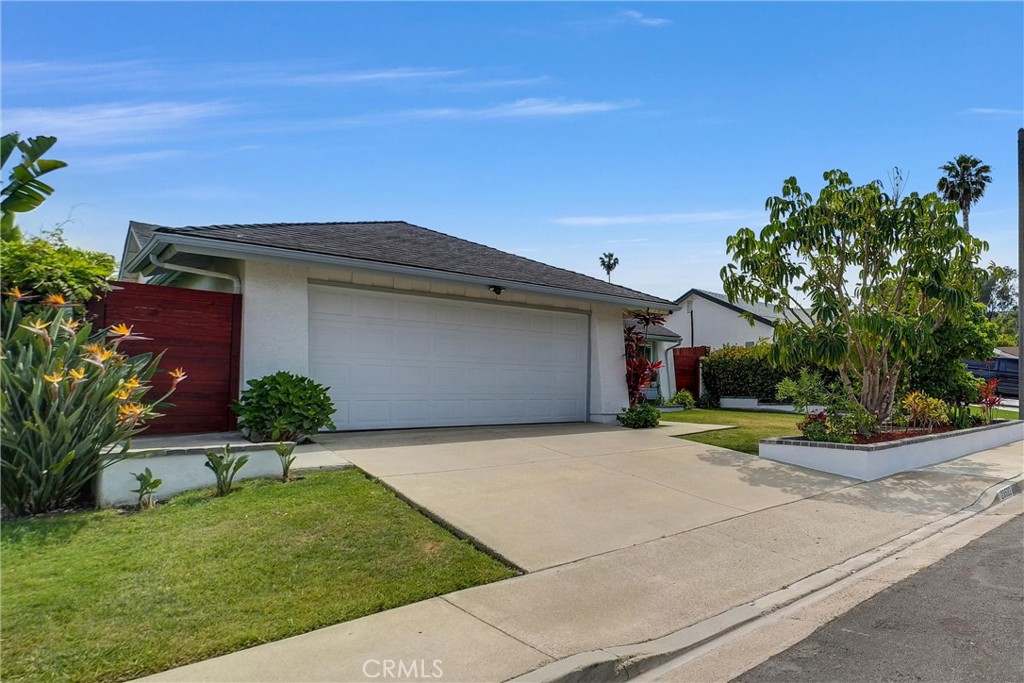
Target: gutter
236	284
199	245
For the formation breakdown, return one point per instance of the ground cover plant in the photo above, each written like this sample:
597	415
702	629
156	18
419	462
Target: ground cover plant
750	427
107	596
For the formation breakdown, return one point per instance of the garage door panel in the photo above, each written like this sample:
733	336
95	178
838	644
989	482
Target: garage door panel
393	360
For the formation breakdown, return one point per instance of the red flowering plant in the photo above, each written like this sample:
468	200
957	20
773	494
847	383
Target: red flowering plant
639	368
988	399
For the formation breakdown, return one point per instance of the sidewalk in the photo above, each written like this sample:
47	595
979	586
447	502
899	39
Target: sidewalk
636	594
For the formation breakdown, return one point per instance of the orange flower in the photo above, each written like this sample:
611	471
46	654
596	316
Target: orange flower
120	330
131	411
132	383
71	325
78	374
122	394
55	378
55	300
37	327
15	293
93	349
178	374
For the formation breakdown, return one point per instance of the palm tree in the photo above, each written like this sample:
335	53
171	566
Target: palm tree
608	261
964	183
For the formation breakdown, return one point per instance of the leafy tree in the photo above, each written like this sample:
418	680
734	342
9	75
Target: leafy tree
964	182
999	289
47	264
881	275
24	190
609	262
941	372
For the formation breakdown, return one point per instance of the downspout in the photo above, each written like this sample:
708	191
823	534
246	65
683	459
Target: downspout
236	284
670	365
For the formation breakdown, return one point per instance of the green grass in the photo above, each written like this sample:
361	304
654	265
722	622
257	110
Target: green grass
750	428
999	413
107	596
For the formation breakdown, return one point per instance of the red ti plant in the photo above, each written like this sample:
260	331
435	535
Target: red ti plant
639	369
989	399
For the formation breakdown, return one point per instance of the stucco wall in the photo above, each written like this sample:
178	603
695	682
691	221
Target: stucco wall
275	325
715	325
275	319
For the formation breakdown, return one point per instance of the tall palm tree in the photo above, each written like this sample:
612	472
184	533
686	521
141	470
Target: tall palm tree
608	261
964	183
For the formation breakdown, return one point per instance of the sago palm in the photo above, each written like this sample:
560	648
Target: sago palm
964	182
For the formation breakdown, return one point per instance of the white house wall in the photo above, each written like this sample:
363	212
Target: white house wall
715	325
275	322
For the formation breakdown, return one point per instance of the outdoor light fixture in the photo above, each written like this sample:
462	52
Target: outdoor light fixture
497	289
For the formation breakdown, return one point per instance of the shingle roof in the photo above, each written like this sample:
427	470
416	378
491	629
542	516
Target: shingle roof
401	243
659	332
762	312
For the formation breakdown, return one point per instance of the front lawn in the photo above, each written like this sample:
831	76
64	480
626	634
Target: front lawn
106	596
750	428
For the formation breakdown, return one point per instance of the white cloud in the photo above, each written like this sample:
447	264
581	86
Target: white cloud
624	18
371	76
125	74
100	124
656	218
529	108
984	111
638	18
116	162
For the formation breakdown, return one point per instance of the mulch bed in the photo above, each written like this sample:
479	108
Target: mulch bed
897	434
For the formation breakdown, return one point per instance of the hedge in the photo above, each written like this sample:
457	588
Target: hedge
744	371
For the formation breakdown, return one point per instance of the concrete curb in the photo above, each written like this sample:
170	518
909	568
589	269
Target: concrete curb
626	662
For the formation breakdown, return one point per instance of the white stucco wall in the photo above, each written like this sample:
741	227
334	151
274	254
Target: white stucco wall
275	319
275	325
715	325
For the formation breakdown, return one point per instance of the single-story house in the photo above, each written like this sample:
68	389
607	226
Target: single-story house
709	319
408	327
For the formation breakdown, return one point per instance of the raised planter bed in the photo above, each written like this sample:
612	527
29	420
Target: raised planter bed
183	469
874	461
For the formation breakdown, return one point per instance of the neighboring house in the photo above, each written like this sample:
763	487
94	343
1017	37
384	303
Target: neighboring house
709	319
407	326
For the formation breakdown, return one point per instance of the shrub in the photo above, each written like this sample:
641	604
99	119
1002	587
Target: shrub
70	396
225	466
988	399
706	401
807	389
683	399
148	484
283	407
746	371
819	426
925	412
49	265
643	416
286	452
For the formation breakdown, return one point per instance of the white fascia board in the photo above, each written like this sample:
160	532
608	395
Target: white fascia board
207	247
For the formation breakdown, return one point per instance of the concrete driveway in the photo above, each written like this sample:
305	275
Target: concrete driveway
545	495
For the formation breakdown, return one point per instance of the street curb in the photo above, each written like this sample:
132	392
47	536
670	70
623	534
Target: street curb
625	662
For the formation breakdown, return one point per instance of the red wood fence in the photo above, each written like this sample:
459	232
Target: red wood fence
687	367
198	331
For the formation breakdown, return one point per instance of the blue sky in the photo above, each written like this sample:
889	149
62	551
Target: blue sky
557	131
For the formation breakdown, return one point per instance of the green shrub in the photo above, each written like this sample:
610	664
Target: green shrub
643	416
47	264
745	371
286	453
148	485
284	407
225	466
806	389
924	411
706	401
69	395
682	399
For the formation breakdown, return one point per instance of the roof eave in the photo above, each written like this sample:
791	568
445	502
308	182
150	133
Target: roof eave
726	304
208	247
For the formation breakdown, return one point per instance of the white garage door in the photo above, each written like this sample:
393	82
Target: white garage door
394	360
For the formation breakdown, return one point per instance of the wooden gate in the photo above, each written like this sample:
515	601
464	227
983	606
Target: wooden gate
198	331
687	367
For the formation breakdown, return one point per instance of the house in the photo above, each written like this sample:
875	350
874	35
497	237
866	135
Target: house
709	319
408	327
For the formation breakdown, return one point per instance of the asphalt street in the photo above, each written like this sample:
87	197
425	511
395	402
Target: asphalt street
961	619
